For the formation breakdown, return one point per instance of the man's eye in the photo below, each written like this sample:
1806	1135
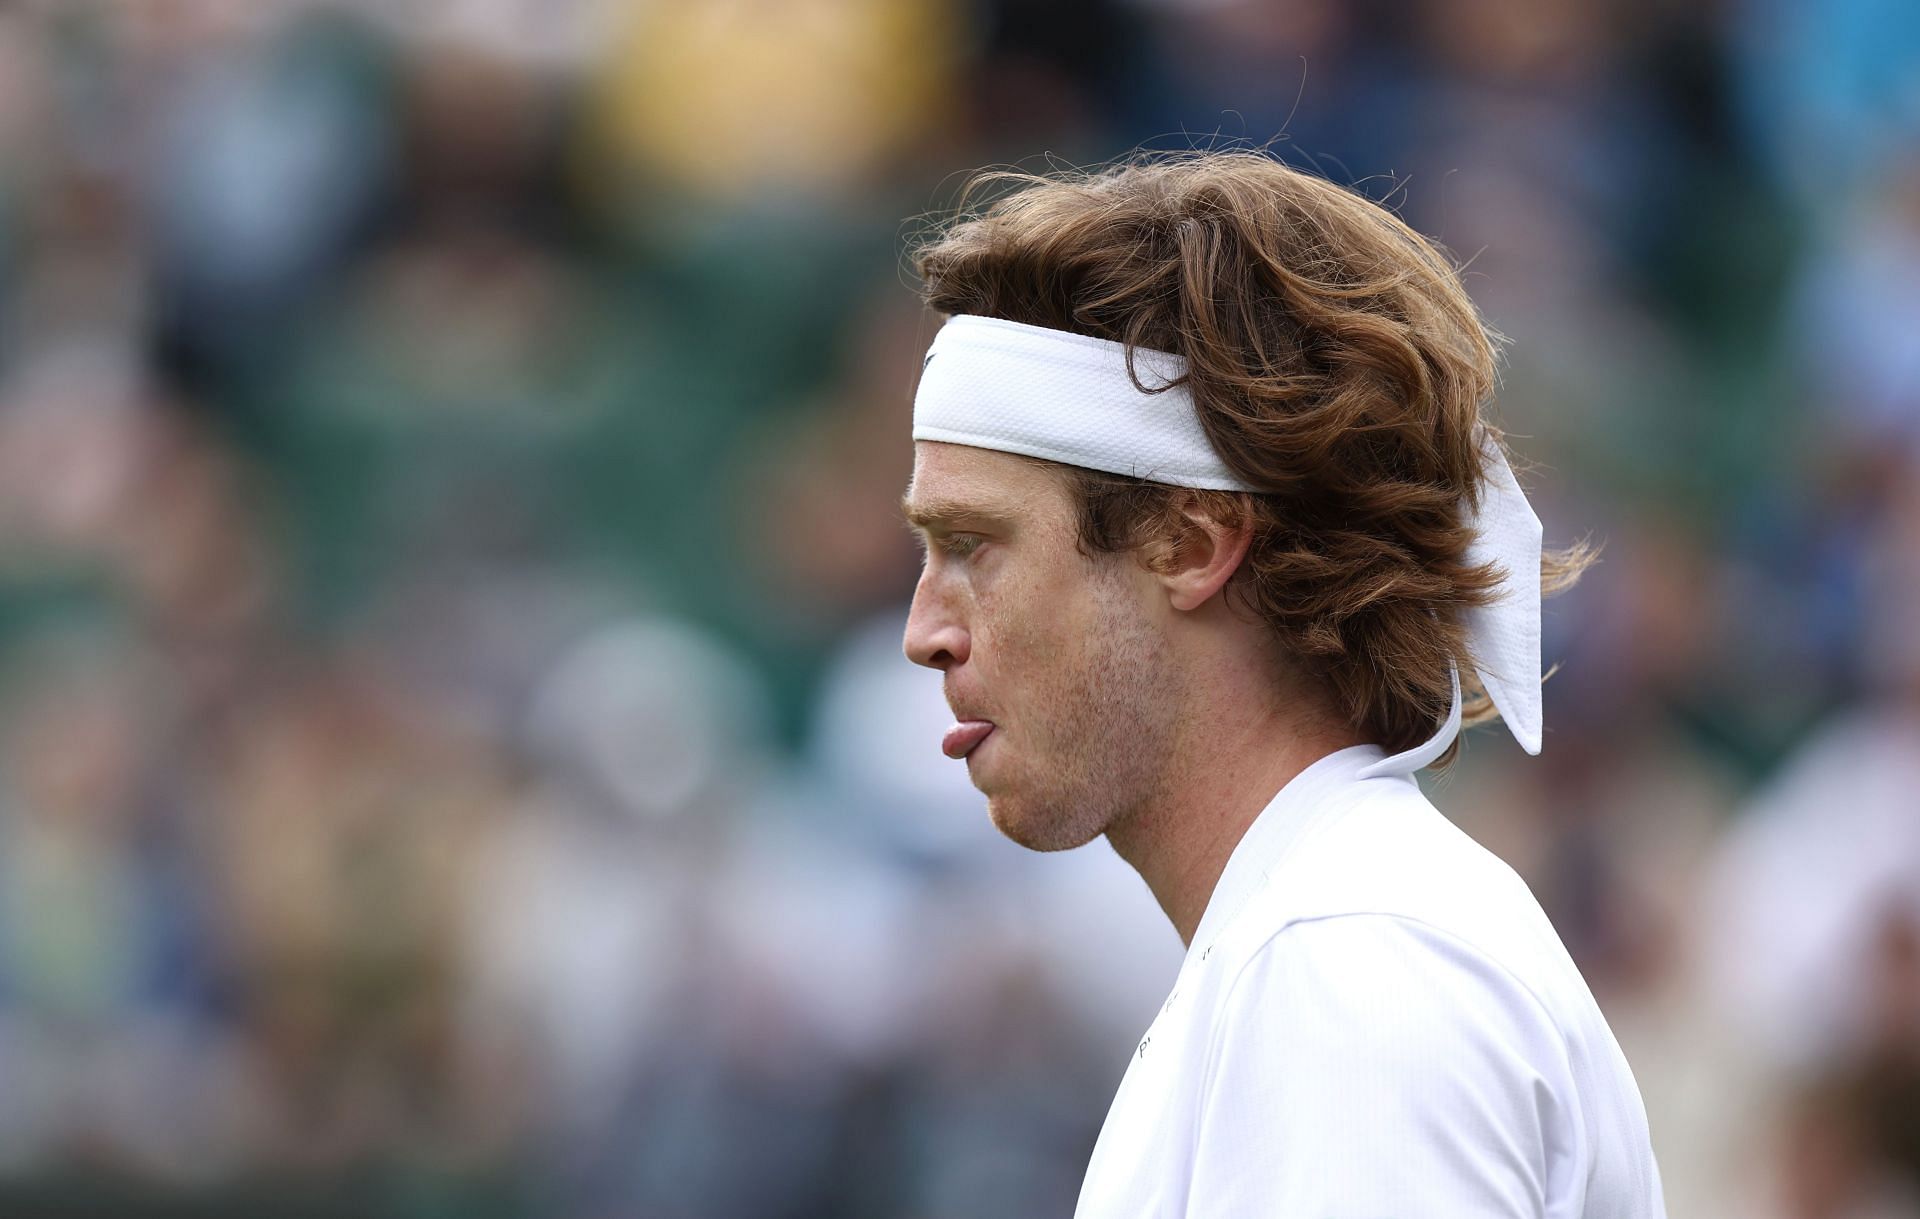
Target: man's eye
960	545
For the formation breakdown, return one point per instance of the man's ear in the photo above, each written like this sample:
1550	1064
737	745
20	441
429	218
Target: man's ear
1211	547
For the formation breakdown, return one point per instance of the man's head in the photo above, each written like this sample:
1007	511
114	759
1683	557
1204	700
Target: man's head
1072	672
1334	364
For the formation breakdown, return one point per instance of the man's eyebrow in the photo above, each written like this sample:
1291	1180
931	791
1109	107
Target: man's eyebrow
938	513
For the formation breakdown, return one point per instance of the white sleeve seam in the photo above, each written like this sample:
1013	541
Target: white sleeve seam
1220	1009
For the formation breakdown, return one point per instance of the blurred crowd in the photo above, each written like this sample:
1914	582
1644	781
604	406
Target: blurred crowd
455	756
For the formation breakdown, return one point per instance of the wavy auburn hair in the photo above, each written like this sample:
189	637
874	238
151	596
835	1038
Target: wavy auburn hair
1336	364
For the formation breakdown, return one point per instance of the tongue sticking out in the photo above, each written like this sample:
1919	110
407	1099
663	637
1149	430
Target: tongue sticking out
962	737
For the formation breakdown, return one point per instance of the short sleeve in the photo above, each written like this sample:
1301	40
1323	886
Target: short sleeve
1370	1065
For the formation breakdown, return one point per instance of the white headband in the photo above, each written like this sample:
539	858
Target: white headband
992	384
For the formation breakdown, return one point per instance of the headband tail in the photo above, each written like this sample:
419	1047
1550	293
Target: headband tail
1504	637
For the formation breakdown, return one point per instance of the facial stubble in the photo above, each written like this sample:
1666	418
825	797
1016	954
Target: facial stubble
1109	724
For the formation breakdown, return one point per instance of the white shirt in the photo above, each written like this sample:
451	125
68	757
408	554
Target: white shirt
1374	1019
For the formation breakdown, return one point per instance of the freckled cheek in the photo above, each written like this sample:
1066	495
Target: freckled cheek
1017	633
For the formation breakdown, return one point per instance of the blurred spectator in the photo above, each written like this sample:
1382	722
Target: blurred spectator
688	90
1816	919
107	965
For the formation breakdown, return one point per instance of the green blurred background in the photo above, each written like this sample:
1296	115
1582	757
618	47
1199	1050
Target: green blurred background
455	757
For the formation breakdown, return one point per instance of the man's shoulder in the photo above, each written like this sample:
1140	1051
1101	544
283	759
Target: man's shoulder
1388	988
1427	1024
1394	873
1412	1071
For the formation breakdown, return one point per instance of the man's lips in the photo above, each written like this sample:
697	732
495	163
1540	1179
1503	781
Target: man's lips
964	736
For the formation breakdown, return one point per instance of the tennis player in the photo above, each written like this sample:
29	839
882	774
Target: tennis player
1221	551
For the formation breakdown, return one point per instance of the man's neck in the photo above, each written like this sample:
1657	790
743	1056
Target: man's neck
1181	841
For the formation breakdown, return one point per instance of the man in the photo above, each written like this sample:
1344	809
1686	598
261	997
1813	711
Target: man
1215	530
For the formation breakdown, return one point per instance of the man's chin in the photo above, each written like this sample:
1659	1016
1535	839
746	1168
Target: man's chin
1039	828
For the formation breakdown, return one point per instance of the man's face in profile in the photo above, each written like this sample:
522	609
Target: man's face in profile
1054	663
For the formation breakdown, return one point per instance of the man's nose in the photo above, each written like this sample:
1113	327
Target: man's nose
935	638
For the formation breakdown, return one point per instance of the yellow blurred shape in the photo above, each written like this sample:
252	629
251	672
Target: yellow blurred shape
723	97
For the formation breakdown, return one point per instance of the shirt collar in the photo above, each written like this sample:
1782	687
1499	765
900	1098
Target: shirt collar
1294	810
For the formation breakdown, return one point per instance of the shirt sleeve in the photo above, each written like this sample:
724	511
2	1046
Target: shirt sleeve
1370	1065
